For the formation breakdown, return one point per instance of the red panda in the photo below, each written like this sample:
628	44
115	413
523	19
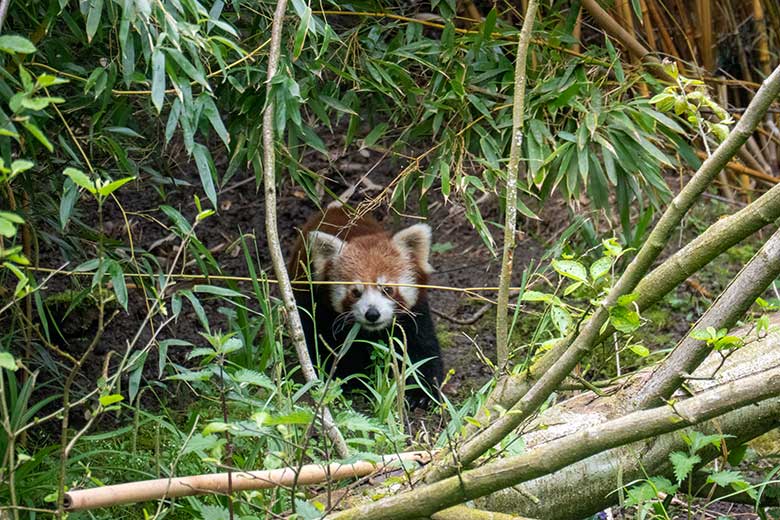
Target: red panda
369	260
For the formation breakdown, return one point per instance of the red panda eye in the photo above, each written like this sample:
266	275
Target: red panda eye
388	291
356	292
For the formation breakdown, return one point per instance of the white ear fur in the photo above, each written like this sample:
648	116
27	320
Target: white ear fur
323	248
416	242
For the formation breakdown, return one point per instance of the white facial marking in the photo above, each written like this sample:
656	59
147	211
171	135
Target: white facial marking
409	294
373	300
337	295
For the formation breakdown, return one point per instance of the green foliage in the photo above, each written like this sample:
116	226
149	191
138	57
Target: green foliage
718	340
689	98
652	497
104	97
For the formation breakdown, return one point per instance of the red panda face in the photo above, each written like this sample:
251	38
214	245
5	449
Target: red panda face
371	266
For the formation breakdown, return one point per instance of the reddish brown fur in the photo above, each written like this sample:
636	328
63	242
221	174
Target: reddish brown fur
371	251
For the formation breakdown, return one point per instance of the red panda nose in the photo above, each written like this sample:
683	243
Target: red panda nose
372	314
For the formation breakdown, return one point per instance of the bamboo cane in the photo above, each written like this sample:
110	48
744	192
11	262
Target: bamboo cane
763	42
682	14
704	10
163	488
744	170
669	46
649	32
764	60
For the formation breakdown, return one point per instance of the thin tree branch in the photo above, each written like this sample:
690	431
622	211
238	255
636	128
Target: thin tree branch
510	222
272	234
732	304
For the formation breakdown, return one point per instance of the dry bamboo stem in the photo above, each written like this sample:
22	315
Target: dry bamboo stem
616	30
763	41
682	14
764	60
649	32
704	10
272	232
669	46
625	12
164	488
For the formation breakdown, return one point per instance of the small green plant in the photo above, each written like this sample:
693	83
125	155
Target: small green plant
652	497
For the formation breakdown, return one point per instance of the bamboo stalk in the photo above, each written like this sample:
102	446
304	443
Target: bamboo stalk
764	60
757	153
669	46
510	223
648	26
704	10
626	14
741	54
272	232
164	488
628	40
682	14
763	41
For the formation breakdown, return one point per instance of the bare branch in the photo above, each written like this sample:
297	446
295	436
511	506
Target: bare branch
272	233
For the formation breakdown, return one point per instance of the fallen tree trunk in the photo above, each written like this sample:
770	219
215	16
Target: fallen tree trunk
565	494
590	442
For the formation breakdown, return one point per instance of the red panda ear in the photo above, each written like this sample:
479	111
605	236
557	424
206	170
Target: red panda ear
324	248
416	242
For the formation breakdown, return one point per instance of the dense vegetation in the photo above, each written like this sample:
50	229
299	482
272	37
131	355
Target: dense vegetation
141	331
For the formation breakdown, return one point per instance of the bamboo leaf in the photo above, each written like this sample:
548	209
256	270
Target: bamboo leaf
205	165
11	43
81	179
158	79
93	17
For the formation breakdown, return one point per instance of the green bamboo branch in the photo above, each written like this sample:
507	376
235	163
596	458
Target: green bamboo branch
510	222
